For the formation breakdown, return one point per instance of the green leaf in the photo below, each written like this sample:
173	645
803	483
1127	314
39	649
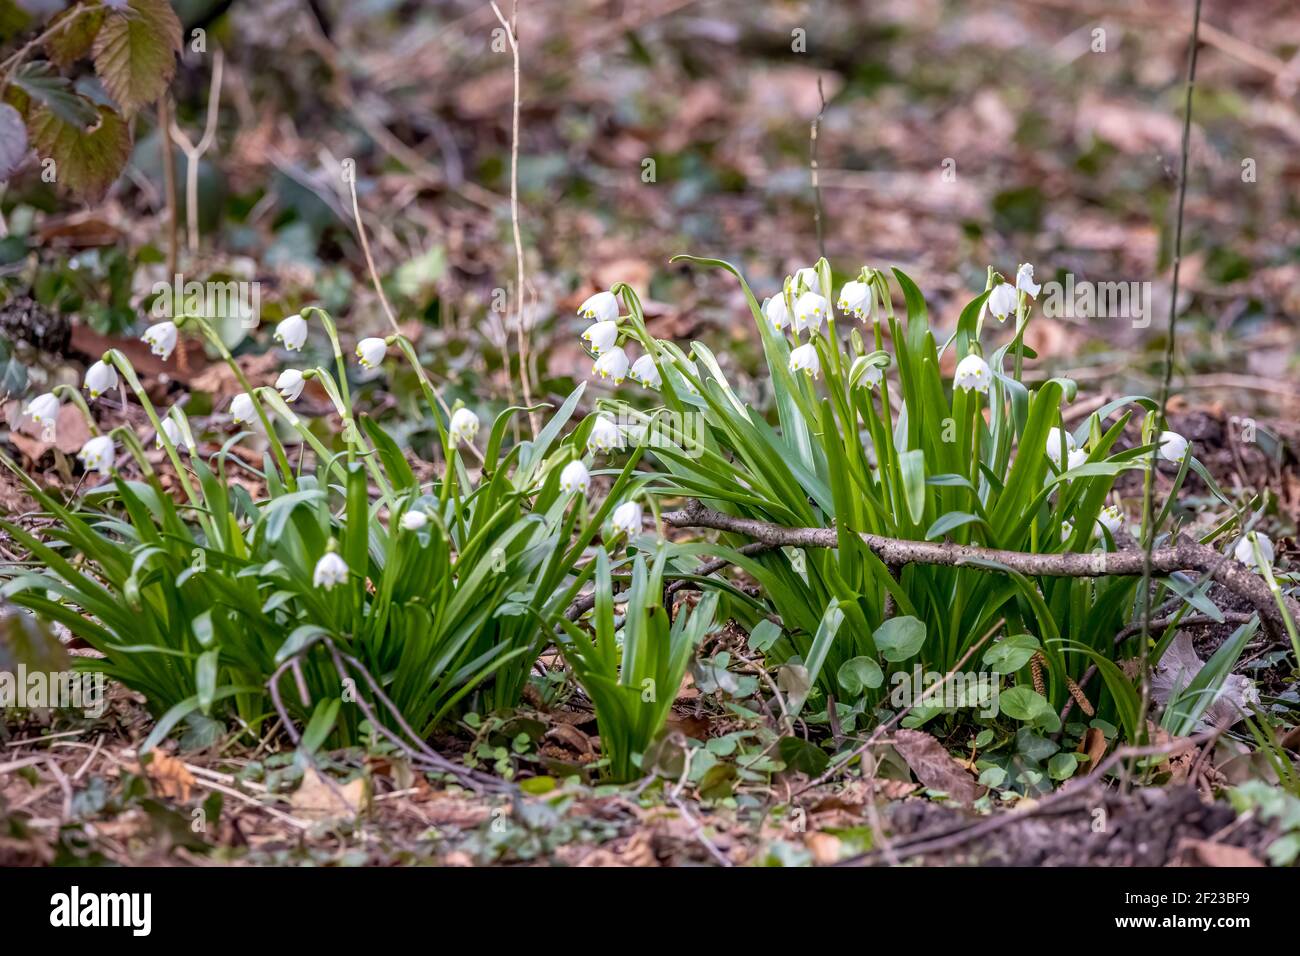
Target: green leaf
859	672
803	756
322	722
953	519
913	465
1023	703
993	777
900	638
39	81
1062	766
1011	653
87	162
764	635
135	52
205	678
74	39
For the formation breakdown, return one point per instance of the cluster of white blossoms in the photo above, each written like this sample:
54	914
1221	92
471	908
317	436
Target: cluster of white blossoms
601	340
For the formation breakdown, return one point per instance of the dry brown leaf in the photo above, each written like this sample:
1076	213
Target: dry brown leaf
935	767
824	847
320	800
571	737
1094	745
169	777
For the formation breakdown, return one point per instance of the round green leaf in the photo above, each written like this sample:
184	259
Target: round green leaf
1010	654
859	672
900	638
1023	703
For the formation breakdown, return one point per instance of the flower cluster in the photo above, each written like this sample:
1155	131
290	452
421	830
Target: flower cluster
601	340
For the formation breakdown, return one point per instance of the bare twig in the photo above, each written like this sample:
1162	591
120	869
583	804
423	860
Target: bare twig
194	153
521	337
813	133
1184	556
169	183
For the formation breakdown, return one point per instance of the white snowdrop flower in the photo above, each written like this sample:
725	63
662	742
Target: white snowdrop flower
774	311
810	311
602	307
371	352
43	410
612	365
97	454
871	376
414	520
174	434
290	384
242	409
330	570
601	336
972	372
1111	518
1054	445
627	518
161	339
292	332
1077	457
1173	446
1067	530
807	278
1025	280
805	358
855	299
464	426
575	477
1245	551
604	436
644	371
1002	301
100	378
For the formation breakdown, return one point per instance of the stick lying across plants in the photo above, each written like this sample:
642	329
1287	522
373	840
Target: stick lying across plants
1184	556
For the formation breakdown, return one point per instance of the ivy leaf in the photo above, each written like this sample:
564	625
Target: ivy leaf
39	81
87	162
13	141
135	52
74	40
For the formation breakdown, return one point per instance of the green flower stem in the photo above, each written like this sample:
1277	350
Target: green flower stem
131	442
352	434
1287	620
345	407
277	448
72	394
124	366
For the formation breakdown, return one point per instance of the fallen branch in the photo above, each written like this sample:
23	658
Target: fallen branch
1184	556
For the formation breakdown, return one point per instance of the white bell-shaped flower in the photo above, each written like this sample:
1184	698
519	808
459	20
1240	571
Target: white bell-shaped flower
97	454
855	299
601	307
612	365
243	410
627	518
1076	458
972	373
1111	518
1173	447
1054	445
100	378
1067	530
810	311
806	279
43	410
1002	301
805	359
161	339
464	426
601	336
645	372
575	477
1025	280
292	332
1245	550
604	436
174	433
414	520
371	352
290	384
871	376
330	570
776	313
